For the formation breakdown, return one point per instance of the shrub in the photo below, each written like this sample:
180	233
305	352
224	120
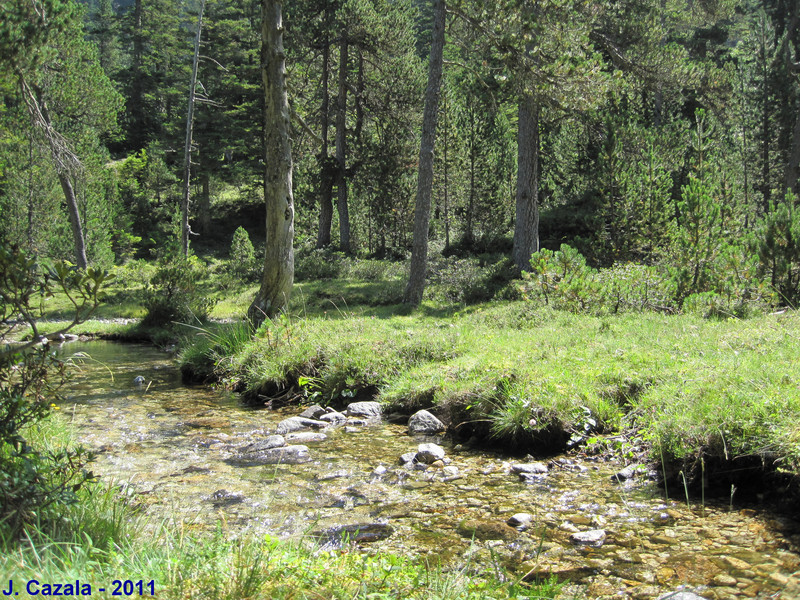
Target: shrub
243	263
172	295
35	484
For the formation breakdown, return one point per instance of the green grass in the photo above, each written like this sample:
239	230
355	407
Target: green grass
688	385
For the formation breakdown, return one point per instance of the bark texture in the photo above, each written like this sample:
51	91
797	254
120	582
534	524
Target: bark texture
326	178
341	149
422	210
278	276
526	225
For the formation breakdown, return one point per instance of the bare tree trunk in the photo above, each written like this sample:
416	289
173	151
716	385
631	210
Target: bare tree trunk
278	276
422	210
64	160
341	148
793	164
325	175
526	225
187	150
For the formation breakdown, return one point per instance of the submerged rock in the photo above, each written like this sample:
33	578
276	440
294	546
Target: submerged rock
305	437
286	455
681	595
270	442
424	423
593	538
207	423
226	498
138	380
367	409
486	530
297	424
534	468
359	533
429	453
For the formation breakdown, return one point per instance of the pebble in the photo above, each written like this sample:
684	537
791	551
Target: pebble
594	538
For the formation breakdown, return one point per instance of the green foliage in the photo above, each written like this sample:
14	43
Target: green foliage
563	280
36	484
243	263
172	295
777	242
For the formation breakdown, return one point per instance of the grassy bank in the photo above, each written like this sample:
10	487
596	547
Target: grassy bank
102	538
528	378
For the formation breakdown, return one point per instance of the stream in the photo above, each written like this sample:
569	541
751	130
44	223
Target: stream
172	446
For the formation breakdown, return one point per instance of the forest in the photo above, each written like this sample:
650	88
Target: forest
661	134
569	229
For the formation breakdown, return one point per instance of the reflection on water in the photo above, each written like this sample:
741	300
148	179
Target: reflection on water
172	444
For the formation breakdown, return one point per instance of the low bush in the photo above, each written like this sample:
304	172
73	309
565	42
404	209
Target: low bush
172	295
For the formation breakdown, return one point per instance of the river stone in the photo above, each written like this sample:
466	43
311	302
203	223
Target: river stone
360	533
271	441
627	473
305	437
138	380
424	423
298	423
486	530
226	498
368	409
520	521
408	457
334	417
594	538
207	422
534	468
681	596
315	411
288	455
429	453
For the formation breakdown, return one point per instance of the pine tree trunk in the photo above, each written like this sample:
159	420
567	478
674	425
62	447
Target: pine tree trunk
278	276
74	219
526	225
187	150
325	175
341	149
422	210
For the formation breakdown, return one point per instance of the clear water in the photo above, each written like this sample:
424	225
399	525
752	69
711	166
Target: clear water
171	446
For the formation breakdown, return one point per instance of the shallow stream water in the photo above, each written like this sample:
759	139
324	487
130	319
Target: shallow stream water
171	447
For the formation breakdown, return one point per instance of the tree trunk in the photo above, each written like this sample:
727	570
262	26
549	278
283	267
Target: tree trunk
526	225
341	149
422	210
64	160
792	67
205	204
325	175
187	149
278	276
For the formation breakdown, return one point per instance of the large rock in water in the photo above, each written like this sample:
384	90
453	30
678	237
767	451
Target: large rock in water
298	424
429	453
368	410
424	423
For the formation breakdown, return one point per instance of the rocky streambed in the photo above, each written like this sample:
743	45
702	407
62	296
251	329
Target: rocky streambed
351	480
